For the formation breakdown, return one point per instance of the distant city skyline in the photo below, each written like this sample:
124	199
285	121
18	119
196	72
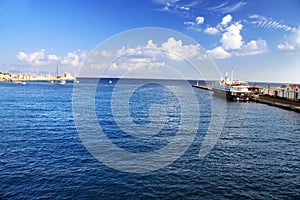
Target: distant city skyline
260	39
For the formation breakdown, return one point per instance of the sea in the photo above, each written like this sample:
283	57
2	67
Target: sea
137	139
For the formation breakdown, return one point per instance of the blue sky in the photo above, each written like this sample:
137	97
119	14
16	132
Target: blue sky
260	39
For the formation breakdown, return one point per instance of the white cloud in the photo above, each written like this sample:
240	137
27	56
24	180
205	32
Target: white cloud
150	56
269	23
150	44
218	52
233	7
185	8
292	42
211	30
34	58
174	6
189	24
130	63
227	8
232	43
253	47
285	46
53	57
165	1
232	39
297	36
185	51
196	24
71	59
220	27
166	7
39	58
199	20
149	60
138	62
106	53
22	56
226	20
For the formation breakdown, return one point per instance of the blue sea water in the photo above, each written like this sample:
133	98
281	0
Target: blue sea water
42	156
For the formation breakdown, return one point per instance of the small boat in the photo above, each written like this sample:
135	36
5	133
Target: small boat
231	89
20	82
61	82
75	81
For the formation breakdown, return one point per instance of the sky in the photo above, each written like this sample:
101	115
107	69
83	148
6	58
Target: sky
258	39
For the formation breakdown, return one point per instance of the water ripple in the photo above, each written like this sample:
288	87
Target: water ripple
41	155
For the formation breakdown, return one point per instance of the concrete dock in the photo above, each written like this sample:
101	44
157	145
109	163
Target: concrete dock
278	102
204	87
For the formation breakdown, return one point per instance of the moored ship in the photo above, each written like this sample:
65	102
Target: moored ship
233	90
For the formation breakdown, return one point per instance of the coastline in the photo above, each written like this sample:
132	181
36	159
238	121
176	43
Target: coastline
6	77
265	98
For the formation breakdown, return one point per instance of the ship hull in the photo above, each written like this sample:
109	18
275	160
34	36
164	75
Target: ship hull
231	96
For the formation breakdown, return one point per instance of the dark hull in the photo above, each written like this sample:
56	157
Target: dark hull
231	96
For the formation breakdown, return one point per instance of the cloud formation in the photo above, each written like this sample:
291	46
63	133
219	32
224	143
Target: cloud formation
269	23
211	30
172	48
232	42
253	47
231	32
199	20
226	7
231	38
178	48
174	6
218	52
220	27
34	58
71	59
185	8
53	57
196	24
165	1
285	46
152	59
226	20
292	41
39	58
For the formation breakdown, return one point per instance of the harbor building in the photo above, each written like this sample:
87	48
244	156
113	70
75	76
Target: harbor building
291	92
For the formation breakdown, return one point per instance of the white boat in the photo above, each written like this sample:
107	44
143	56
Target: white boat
61	82
20	82
234	90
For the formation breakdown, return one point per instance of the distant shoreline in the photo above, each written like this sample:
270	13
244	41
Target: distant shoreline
71	78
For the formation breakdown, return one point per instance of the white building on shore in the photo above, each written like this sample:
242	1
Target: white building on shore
291	92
